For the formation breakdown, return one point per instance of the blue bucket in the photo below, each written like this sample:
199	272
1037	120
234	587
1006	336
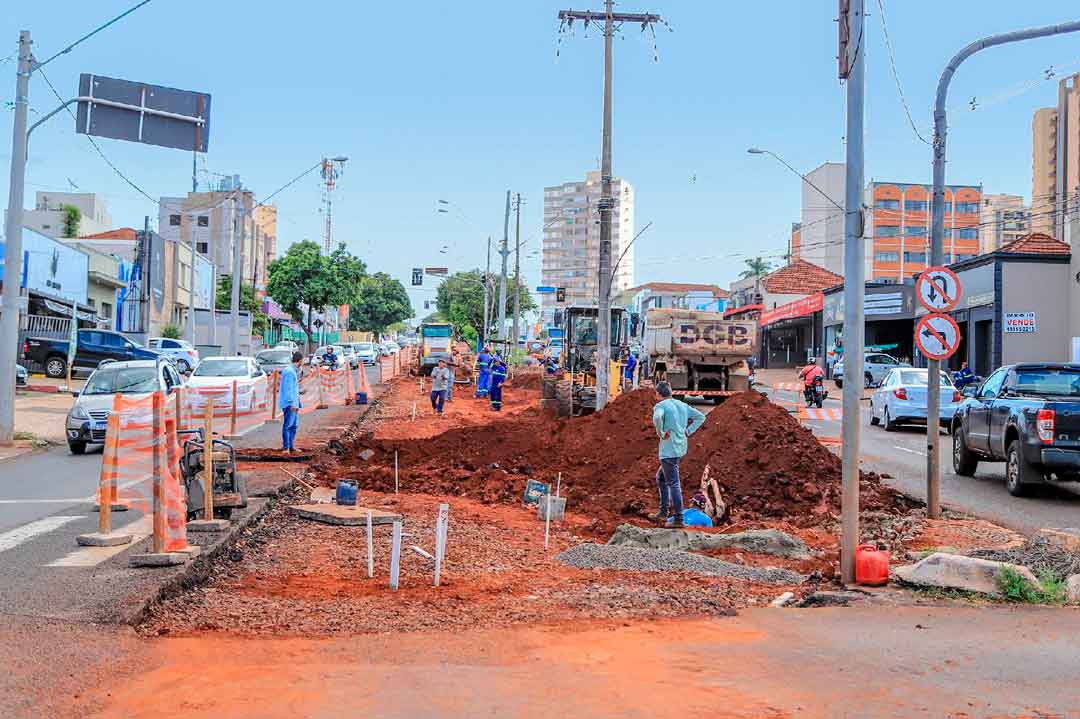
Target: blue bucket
346	492
361	398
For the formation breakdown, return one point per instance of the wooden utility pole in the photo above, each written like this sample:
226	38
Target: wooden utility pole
607	202
517	269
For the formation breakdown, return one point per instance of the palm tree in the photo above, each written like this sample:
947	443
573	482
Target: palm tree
756	267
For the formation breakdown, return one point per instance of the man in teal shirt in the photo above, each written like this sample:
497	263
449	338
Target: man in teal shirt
674	421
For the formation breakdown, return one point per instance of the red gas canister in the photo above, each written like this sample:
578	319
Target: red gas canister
871	565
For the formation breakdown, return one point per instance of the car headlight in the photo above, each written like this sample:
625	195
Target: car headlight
78	412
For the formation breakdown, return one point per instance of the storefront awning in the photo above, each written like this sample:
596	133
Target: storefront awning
65	311
734	311
799	308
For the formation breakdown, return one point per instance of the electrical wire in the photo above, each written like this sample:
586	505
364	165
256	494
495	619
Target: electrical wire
896	73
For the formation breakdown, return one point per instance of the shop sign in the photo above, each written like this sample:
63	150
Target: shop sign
1021	323
799	308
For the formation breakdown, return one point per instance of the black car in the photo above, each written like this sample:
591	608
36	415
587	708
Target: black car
1026	415
92	347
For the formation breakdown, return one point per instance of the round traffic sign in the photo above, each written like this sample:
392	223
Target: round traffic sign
938	289
937	336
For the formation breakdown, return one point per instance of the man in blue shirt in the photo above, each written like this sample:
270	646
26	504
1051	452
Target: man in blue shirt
483	372
674	422
289	403
628	371
498	376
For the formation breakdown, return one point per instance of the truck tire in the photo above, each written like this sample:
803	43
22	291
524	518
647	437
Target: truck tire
874	421
964	461
1020	475
564	390
55	367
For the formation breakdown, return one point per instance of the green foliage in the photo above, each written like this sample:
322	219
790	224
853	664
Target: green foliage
460	299
171	331
304	276
248	302
469	334
1015	588
383	302
72	219
756	267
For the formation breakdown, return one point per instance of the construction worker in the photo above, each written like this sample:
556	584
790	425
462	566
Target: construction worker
628	371
694	515
483	372
498	376
674	422
440	379
453	363
964	377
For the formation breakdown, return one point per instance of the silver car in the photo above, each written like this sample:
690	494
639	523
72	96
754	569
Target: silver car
876	365
902	399
180	352
88	417
365	352
274	360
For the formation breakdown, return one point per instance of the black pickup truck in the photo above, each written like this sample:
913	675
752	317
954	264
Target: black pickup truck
1026	415
93	347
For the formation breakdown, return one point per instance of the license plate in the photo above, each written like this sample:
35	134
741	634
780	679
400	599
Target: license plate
101	424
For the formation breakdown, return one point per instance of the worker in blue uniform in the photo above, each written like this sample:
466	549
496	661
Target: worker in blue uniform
483	372
498	376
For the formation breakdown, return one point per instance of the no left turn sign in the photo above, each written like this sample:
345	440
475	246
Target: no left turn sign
937	336
938	289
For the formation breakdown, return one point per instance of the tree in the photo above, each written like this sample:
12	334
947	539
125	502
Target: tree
305	278
170	331
72	218
248	302
460	299
382	302
756	267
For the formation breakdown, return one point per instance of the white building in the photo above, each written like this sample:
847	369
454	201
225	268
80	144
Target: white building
821	231
571	249
48	215
1002	219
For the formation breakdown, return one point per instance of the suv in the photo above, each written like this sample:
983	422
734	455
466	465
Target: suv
876	365
92	346
1026	415
88	417
180	352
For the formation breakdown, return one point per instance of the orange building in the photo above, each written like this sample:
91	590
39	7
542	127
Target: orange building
900	240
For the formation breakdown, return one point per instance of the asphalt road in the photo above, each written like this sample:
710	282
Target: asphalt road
902	454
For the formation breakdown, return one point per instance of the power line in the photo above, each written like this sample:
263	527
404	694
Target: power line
895	73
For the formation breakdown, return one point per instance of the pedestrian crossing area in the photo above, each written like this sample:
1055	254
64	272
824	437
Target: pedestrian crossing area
823	414
788	386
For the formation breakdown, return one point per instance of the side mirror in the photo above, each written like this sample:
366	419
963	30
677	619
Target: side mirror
74	393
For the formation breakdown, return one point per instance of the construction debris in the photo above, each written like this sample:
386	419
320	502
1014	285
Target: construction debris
607	556
953	571
760	541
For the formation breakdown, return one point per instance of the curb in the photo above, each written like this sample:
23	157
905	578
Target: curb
47	388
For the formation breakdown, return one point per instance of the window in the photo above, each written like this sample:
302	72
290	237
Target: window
887	231
106	310
886	256
915	205
961	258
917	230
201	248
174	220
170	344
992	386
204	221
113	340
914	257
90	301
967	208
967	233
887	204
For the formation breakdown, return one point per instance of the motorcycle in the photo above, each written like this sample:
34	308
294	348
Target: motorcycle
816	393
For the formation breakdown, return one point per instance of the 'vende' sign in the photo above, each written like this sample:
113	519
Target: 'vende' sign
1021	322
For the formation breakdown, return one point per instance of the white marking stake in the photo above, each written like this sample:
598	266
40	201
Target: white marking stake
440	540
395	473
547	521
370	549
395	556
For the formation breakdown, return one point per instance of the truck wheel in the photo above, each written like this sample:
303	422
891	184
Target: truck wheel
55	367
563	397
1020	474
964	461
839	382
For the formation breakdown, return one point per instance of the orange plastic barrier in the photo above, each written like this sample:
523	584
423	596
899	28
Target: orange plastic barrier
334	386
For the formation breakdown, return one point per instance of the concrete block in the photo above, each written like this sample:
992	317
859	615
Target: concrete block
208	525
952	571
113	508
1072	589
783	600
343	515
323	495
158	559
1064	537
99	539
190	551
558	508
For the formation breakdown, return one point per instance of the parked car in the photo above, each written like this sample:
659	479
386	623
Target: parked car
22	377
902	399
274	360
365	352
183	355
1026	415
287	344
88	416
92	347
875	366
393	347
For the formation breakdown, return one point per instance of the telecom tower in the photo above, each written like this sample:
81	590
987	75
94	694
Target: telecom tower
331	170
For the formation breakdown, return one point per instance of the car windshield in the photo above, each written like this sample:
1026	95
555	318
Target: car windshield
222	368
125	380
918	378
364	346
1058	382
274	356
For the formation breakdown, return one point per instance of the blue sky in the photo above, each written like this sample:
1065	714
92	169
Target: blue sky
464	101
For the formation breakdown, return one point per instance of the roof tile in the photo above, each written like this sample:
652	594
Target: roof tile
1037	243
800	278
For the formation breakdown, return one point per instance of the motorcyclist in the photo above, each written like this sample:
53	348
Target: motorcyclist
964	377
810	374
329	357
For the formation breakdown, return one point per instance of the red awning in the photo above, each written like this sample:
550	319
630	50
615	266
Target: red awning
742	310
799	308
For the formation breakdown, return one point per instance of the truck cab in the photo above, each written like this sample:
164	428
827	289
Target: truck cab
435	342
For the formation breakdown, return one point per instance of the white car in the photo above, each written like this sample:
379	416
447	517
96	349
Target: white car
221	371
902	399
366	352
287	344
180	352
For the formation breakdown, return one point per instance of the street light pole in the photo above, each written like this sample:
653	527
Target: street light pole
484	334
9	313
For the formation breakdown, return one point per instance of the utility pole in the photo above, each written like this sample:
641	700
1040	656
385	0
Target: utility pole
517	270
9	313
238	241
194	255
937	227
487	297
504	252
853	62
607	202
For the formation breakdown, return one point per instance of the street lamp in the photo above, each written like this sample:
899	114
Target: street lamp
759	151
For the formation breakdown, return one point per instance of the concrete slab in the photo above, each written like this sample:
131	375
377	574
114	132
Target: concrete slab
113	508
153	559
190	551
1064	537
208	525
323	495
99	539
343	515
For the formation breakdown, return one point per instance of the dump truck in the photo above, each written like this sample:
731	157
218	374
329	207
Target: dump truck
699	353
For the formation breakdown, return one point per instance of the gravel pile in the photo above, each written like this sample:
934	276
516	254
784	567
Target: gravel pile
1040	557
606	556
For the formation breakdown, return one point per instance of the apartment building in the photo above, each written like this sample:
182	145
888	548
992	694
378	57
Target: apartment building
48	216
571	249
819	238
898	237
1055	160
1002	219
